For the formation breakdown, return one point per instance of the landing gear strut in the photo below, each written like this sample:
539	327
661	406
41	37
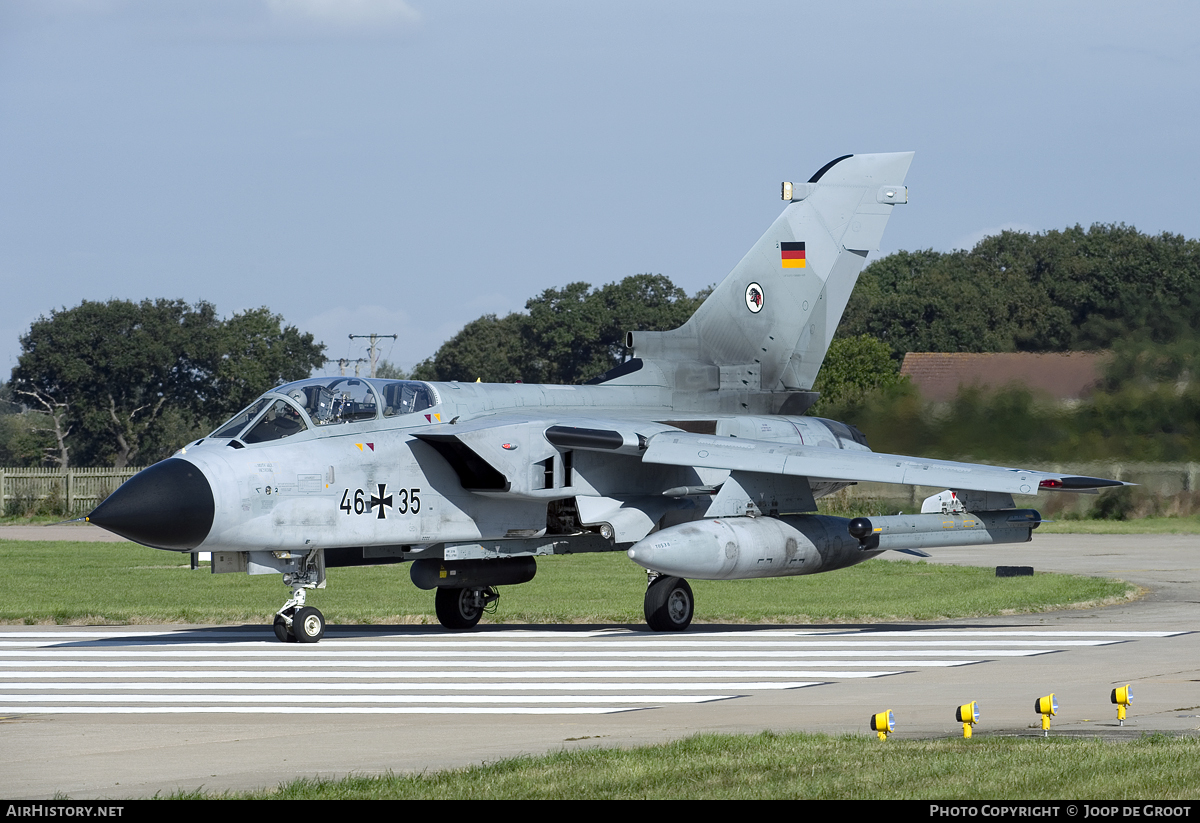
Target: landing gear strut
295	622
669	604
462	608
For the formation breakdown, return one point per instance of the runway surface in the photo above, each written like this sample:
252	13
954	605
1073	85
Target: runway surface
518	672
119	712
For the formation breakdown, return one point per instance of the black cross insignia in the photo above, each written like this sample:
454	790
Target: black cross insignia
382	502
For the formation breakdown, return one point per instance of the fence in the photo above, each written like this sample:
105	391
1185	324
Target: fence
74	491
78	491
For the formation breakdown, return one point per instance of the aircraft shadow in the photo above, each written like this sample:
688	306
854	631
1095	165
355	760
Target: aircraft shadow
256	632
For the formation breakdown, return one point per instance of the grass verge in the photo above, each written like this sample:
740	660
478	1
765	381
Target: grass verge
802	766
842	505
1144	525
119	583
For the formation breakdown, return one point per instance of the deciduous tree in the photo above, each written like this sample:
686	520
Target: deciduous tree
114	369
1067	290
569	335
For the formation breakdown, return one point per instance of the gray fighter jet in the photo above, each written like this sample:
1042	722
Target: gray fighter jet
694	456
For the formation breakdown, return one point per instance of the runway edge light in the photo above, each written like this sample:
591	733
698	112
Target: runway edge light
968	715
883	724
1047	707
1122	697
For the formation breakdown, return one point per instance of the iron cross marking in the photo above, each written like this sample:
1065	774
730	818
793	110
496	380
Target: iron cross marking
382	502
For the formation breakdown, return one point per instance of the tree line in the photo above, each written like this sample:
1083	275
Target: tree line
125	383
1071	290
567	335
1108	287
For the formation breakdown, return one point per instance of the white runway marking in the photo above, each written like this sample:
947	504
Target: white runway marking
601	658
114	671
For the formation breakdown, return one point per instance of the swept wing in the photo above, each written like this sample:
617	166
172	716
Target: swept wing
844	465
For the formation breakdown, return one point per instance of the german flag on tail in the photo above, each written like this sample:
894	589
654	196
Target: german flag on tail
792	254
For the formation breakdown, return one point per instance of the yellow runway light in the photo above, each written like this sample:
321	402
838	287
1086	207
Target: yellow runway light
968	715
1047	707
1122	697
883	724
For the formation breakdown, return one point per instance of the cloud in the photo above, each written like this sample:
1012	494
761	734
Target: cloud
971	240
346	14
221	19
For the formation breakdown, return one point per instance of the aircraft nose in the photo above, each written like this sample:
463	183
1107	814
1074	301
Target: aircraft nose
166	506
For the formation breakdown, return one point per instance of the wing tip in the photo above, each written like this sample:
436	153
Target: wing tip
1080	483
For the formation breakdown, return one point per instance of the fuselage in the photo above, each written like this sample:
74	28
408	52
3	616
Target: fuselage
341	462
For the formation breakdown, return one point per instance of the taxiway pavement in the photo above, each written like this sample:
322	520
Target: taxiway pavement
118	712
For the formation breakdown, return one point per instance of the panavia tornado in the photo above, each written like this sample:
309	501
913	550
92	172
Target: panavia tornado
694	456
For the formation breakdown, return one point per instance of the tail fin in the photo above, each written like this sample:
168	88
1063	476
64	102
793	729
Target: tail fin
767	326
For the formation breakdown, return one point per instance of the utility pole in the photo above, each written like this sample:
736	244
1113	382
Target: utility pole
343	363
375	338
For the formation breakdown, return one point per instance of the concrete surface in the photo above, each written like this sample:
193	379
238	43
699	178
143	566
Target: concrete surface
136	755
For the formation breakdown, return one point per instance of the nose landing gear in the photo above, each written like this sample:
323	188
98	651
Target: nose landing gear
295	622
308	625
283	629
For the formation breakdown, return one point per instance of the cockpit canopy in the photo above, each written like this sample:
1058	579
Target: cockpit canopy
325	401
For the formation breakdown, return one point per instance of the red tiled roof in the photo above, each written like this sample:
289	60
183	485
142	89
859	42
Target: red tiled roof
1063	376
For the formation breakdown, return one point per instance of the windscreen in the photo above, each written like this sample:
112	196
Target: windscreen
281	420
239	420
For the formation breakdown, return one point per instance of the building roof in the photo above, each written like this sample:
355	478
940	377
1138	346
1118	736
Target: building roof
1063	376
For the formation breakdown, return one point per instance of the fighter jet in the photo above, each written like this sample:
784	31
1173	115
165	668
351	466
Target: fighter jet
694	456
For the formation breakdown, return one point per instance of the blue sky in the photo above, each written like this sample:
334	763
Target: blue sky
404	167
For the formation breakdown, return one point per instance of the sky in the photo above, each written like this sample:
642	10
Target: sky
405	166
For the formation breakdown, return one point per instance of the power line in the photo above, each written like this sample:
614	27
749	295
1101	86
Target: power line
343	362
374	338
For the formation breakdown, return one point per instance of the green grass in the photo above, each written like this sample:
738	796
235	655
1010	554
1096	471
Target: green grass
31	519
1144	525
842	505
119	583
807	766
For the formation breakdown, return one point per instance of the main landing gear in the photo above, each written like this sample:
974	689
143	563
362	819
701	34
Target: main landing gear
462	608
465	589
669	603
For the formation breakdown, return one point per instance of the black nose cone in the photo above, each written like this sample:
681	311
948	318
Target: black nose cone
167	506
